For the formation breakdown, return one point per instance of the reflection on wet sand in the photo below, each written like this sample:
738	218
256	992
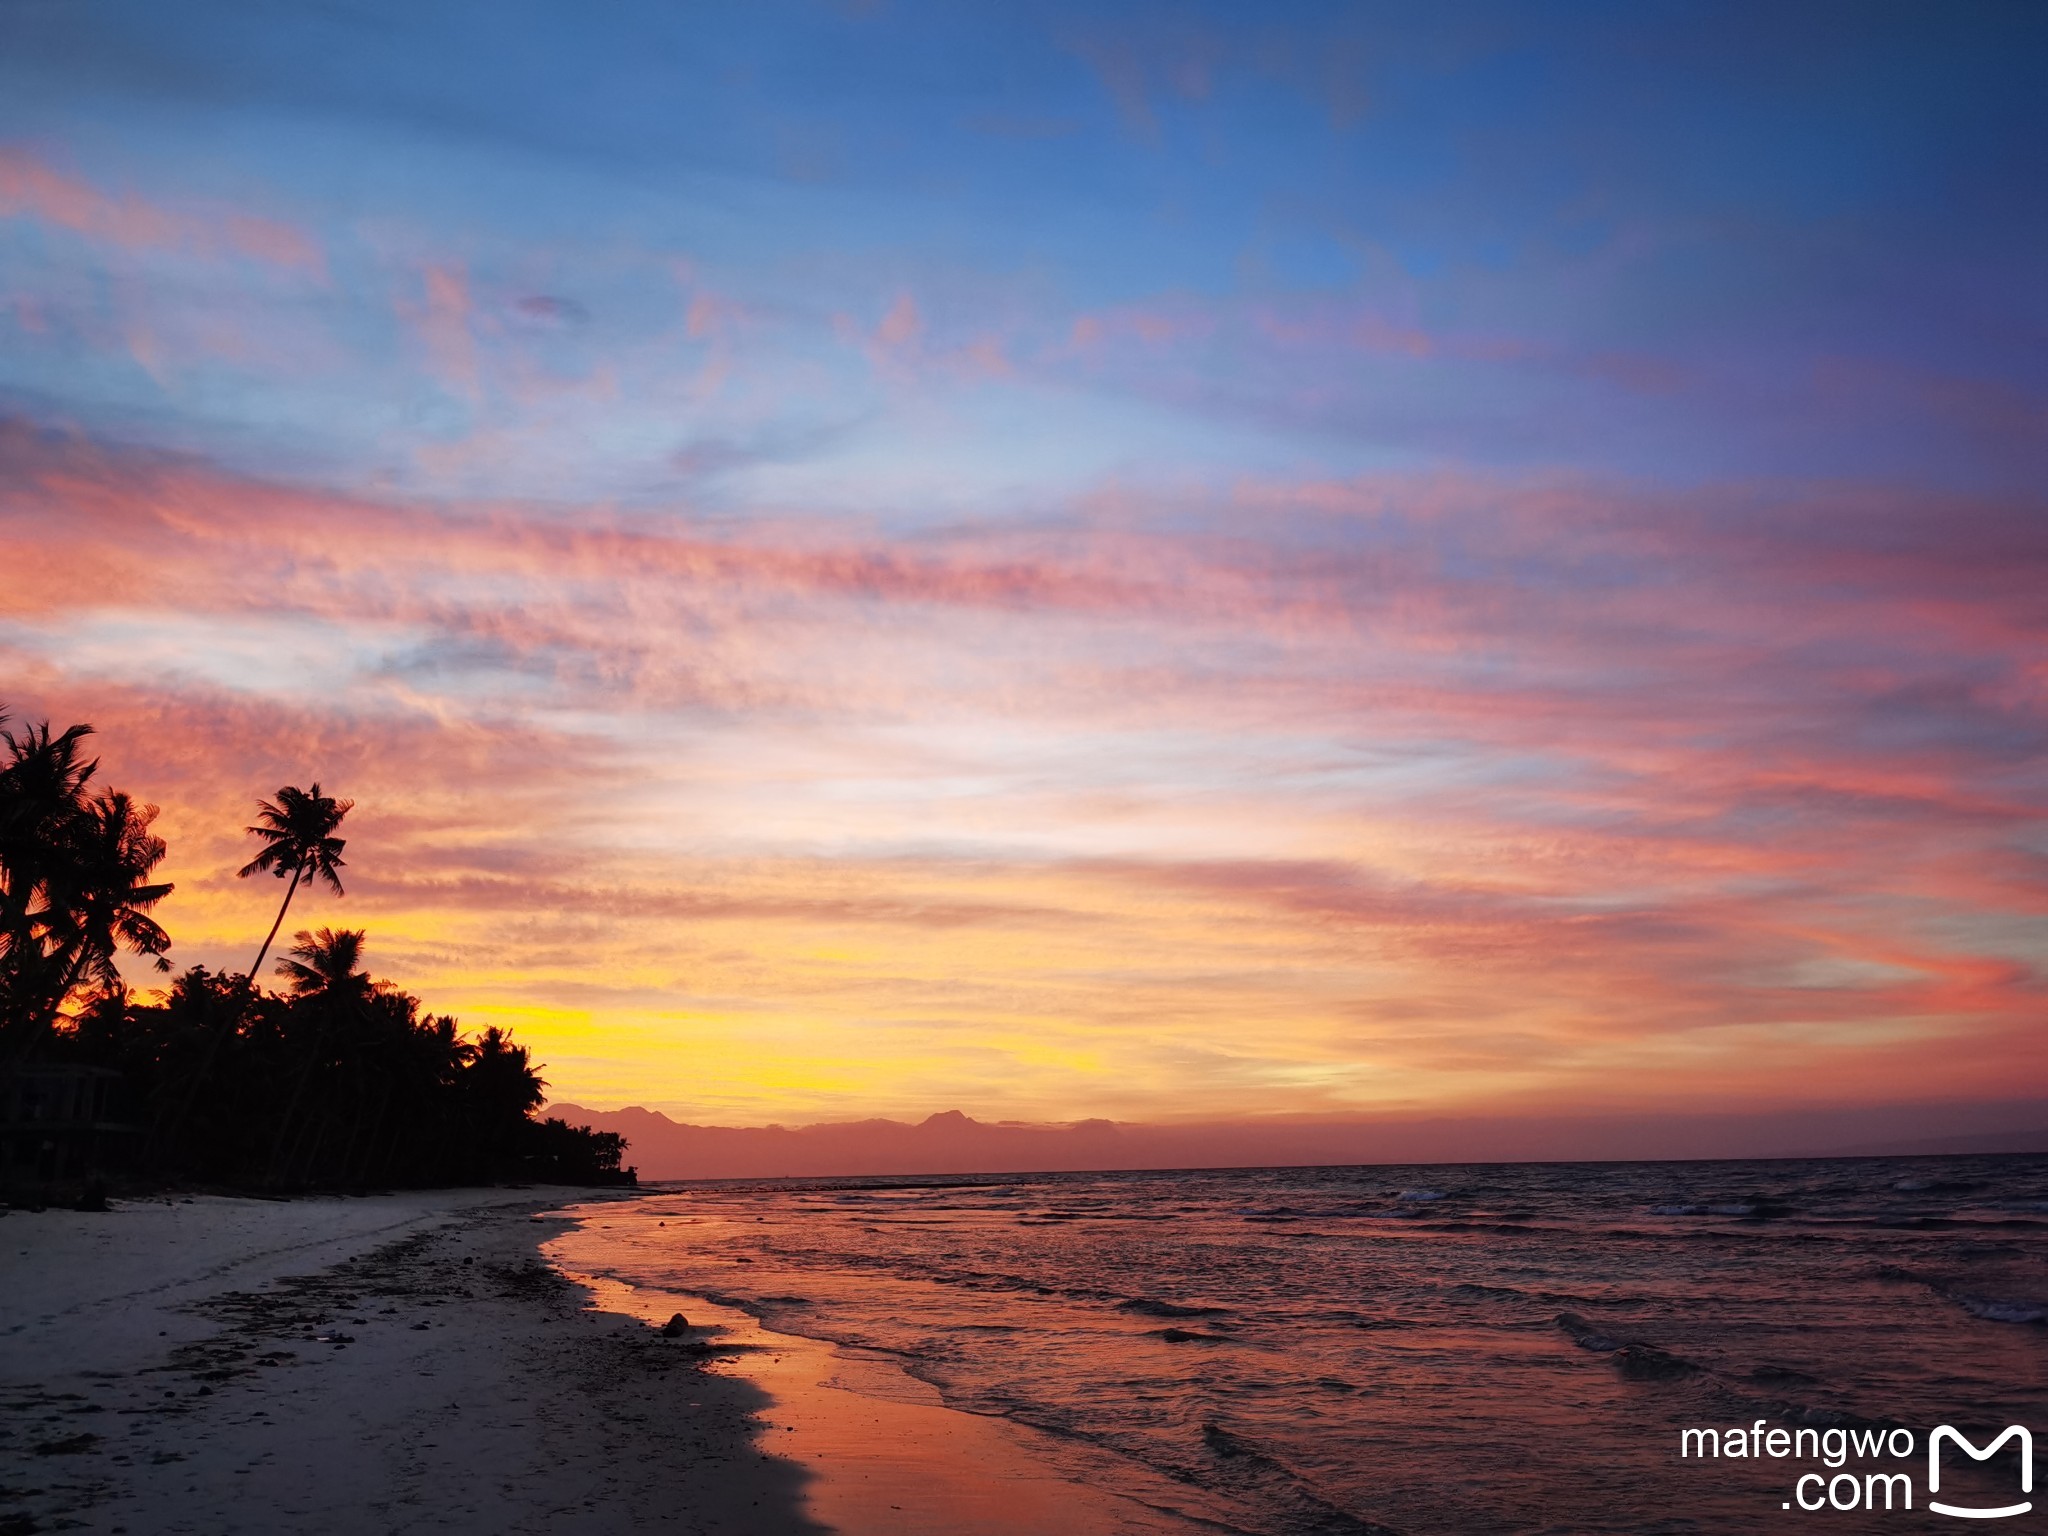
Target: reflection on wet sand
887	1457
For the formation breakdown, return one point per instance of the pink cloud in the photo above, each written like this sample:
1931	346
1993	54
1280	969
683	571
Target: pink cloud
1593	774
29	188
444	322
902	325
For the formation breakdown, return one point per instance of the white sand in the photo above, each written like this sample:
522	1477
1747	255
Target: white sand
161	1370
82	1292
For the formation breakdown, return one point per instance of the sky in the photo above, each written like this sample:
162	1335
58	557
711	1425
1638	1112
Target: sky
1167	563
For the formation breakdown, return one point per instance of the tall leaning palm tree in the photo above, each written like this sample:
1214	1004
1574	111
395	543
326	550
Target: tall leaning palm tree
299	841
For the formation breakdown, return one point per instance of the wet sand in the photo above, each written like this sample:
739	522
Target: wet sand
884	1456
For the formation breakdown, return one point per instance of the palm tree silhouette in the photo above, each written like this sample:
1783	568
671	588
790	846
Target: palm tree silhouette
320	971
113	856
74	882
299	840
42	795
324	964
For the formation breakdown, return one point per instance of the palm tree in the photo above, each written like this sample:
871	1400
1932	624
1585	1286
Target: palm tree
320	970
501	1090
42	795
107	906
74	882
324	965
299	840
42	783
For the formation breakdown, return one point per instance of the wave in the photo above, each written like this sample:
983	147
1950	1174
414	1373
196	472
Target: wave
1646	1362
1472	1288
1270	1478
1153	1307
1632	1357
1782	1376
1586	1336
1994	1310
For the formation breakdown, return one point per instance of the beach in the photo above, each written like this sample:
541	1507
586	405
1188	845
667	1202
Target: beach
412	1362
1088	768
1286	1352
388	1364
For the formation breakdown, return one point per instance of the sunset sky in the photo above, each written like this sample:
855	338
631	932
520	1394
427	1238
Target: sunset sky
1158	562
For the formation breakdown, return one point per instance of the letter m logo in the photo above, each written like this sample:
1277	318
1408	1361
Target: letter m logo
2012	1432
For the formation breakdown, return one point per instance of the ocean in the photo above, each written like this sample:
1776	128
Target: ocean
1446	1349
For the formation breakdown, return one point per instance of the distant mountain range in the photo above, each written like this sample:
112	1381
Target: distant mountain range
952	1142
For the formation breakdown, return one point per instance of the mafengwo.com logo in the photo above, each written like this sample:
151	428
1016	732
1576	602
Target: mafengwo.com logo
1831	1482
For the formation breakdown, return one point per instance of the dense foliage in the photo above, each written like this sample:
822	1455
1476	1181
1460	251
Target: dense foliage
334	1080
74	884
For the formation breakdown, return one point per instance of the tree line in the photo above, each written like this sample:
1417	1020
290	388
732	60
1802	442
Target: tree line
330	1080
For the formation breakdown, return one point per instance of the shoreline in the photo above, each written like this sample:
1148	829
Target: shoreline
441	1361
397	1363
883	1454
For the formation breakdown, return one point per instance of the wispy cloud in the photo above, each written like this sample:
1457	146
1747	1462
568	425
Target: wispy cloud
1578	774
30	188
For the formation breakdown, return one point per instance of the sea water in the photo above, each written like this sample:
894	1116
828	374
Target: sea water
1425	1349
